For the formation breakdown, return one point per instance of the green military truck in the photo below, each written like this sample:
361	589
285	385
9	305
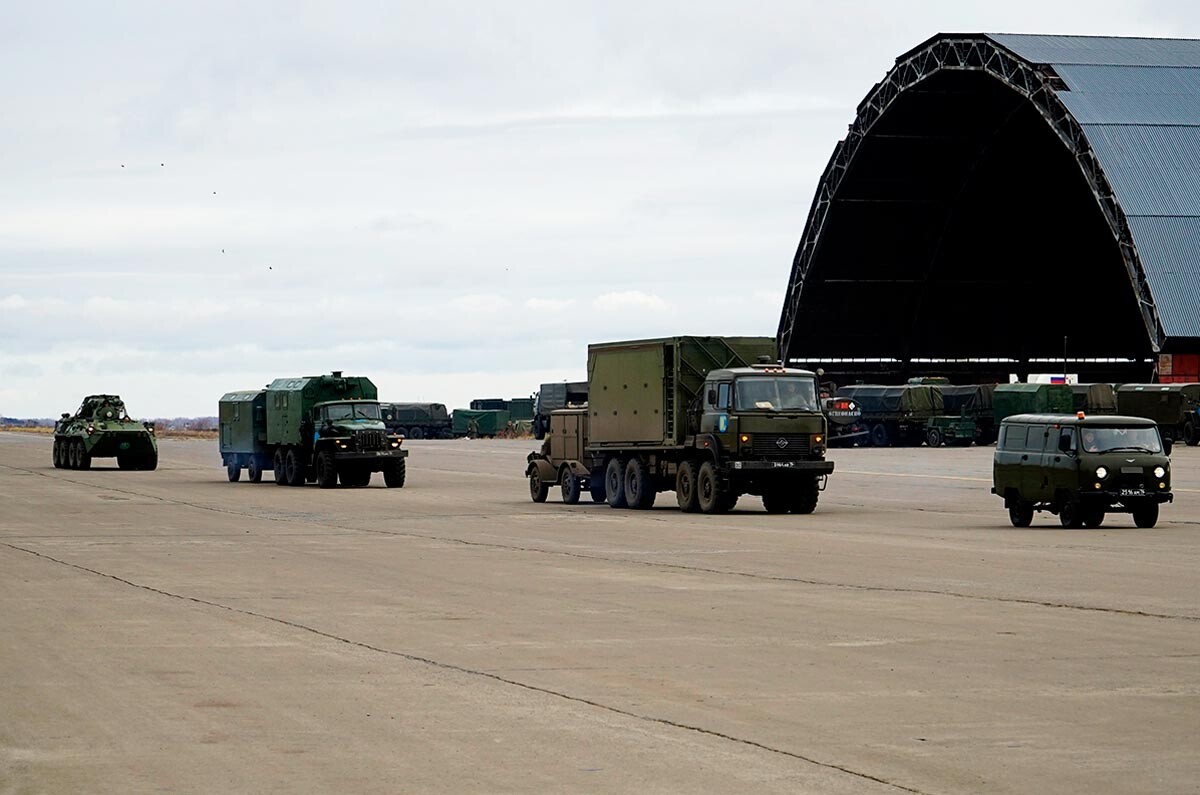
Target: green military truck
1010	399
698	416
895	414
1173	406
560	461
102	428
552	397
417	420
1095	398
322	428
968	416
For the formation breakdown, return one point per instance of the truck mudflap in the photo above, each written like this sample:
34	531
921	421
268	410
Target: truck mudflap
813	467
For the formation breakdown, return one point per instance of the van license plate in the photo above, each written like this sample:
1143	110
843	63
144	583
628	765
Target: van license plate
1132	493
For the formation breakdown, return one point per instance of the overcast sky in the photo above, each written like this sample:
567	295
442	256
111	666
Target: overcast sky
453	199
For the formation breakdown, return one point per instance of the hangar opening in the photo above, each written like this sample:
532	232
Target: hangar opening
1000	198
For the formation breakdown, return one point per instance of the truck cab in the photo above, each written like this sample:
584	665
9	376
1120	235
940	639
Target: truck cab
764	413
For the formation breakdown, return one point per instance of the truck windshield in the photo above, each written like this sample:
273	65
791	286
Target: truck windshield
346	411
1110	440
780	393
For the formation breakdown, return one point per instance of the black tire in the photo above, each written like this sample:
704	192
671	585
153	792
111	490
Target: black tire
710	491
639	490
278	471
293	467
1191	434
326	466
614	483
1146	515
417	433
1093	516
232	471
777	499
149	461
395	475
933	437
685	487
83	460
253	470
402	431
126	462
805	495
596	486
354	477
880	436
1070	515
538	488
570	486
1020	513
71	454
55	455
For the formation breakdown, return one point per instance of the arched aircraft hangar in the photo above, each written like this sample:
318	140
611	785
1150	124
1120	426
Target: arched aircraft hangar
998	193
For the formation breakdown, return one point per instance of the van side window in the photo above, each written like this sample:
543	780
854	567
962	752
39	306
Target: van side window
1068	433
1013	437
723	395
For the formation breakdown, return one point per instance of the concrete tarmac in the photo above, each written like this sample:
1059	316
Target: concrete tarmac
170	631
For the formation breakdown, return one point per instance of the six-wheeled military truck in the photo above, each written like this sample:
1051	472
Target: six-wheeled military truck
1010	399
895	414
710	418
102	428
1081	468
555	396
322	428
417	420
1173	406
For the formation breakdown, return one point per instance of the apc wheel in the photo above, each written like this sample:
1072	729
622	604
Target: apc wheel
149	461
879	436
232	471
278	471
570	487
82	459
56	454
253	470
596	486
933	437
804	498
614	483
327	475
1146	515
293	468
709	490
538	488
1093	517
129	462
685	487
394	475
1020	513
1070	515
639	490
417	433
71	454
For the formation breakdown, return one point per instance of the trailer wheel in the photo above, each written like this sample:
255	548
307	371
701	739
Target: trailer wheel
327	475
685	487
1146	514
538	488
639	490
933	437
253	470
570	486
711	493
277	463
394	476
614	483
805	495
232	471
879	435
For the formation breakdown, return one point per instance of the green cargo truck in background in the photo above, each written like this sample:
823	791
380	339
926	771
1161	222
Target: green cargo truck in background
322	428
710	418
1010	399
417	420
1174	407
895	414
480	423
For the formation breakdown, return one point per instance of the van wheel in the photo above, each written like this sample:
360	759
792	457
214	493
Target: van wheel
538	488
1020	513
933	437
1093	517
639	490
570	487
685	487
1070	515
879	436
614	483
1146	515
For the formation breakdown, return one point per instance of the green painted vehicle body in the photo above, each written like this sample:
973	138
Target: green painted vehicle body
417	420
315	428
521	409
1010	399
895	414
102	428
1096	399
1174	407
480	422
1079	467
969	416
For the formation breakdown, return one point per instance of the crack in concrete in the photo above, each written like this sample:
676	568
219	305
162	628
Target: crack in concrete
428	661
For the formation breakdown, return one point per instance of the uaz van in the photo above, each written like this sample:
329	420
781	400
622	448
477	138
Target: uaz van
1081	468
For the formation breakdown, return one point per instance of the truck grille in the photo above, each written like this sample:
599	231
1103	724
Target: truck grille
370	440
780	445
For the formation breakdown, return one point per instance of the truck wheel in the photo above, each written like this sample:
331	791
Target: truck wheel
596	486
1093	516
402	431
277	463
232	471
327	476
614	483
777	500
1070	515
417	433
711	493
253	470
685	487
933	437
805	496
570	487
1191	436
538	488
394	475
293	468
639	491
1146	514
1020	513
879	436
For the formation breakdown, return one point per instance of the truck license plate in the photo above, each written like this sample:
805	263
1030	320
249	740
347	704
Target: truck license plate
1132	493
784	464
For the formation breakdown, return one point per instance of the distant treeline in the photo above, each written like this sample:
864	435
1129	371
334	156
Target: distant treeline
165	423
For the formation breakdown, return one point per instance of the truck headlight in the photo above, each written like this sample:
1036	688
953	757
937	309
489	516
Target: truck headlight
1160	472
1101	473
745	437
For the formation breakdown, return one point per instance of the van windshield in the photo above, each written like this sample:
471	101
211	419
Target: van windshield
783	393
358	411
1111	440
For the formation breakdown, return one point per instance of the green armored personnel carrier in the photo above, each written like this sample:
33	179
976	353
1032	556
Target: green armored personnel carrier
322	428
102	428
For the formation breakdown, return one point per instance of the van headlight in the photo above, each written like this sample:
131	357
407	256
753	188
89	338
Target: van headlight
1160	472
1101	473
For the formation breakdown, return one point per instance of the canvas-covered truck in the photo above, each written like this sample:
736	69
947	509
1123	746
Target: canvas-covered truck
322	428
1095	398
1172	406
1010	399
710	418
555	396
417	420
968	416
895	414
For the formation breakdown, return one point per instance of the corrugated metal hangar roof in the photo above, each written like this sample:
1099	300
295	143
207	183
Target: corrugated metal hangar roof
1006	159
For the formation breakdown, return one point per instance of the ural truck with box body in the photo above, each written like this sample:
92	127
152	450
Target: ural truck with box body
417	420
1173	406
698	416
322	428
